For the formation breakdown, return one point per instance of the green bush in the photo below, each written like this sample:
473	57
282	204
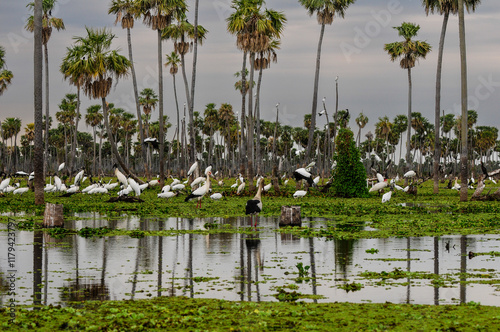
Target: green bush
349	176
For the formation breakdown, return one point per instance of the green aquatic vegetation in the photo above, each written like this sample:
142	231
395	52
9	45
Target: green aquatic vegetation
58	232
136	234
351	287
372	251
87	232
187	314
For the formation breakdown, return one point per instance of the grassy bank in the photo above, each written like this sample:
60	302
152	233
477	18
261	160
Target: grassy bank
185	314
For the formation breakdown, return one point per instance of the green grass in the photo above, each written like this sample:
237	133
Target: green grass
186	314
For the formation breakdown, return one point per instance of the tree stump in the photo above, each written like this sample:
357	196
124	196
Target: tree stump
290	216
53	215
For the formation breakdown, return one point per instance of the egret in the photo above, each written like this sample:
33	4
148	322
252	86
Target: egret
200	192
209	169
135	186
89	188
316	180
197	181
120	176
387	196
268	186
410	174
20	191
299	193
57	183
73	189
5	182
241	187
79	177
235	185
377	186
166	188
61	167
167	194
216	196
178	186
254	206
192	168
111	186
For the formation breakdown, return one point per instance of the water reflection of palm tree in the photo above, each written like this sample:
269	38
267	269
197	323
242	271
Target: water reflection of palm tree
436	269
189	269
37	267
176	256
408	266
312	262
160	256
253	246
463	269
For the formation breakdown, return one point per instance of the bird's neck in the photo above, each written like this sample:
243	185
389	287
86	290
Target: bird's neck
258	194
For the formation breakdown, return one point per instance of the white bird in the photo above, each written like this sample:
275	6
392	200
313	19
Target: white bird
192	168
73	189
61	167
167	194
197	181
410	174
120	176
380	177
398	187
216	196
89	188
174	181
241	186
316	180
254	206
154	182
268	186
299	193
20	191
178	186
124	192
209	169
111	186
5	182
143	186
135	186
397	178
221	183
377	186
405	189
79	177
31	177
456	186
286	182
166	188
57	183
98	190
200	192
234	185
387	196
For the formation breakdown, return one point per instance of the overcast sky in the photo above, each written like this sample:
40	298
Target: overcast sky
352	49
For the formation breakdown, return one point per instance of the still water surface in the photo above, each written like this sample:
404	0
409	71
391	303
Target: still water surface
246	267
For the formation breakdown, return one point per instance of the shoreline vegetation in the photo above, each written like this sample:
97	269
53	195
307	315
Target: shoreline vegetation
187	314
405	215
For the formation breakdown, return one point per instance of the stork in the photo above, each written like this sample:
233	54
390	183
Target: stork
254	206
200	192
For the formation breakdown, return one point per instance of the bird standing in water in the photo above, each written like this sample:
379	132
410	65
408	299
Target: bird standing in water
254	205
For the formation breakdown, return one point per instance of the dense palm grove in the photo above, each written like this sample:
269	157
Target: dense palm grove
232	138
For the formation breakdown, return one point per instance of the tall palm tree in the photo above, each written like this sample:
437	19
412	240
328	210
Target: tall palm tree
463	78
409	52
361	121
98	66
148	100
94	118
48	23
6	76
444	7
11	128
325	11
126	11
66	118
158	14
180	33
173	62
38	105
400	126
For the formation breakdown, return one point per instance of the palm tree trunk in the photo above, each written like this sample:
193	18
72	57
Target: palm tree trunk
136	95
178	123
100	151
93	173
437	110
46	58
114	149
310	140
408	134
38	81
160	108
243	152
250	133
75	137
190	114
258	159
463	74
193	80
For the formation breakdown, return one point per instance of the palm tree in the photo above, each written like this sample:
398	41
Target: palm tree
94	118
445	7
126	11
6	76
400	125
99	65
48	23
158	14
65	117
180	33
409	51
254	28
38	105
325	12
11	128
361	121
173	61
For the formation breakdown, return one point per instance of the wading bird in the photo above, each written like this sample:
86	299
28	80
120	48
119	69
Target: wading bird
254	206
200	192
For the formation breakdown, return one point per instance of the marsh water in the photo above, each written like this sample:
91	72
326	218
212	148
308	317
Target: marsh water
253	266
